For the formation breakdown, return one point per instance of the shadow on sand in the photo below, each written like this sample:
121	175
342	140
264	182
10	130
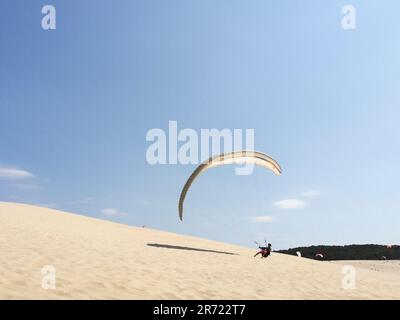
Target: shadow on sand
168	246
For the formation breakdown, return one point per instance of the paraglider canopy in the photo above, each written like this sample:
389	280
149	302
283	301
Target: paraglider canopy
319	256
236	157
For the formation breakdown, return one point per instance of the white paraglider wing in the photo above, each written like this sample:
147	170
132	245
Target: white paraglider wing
236	157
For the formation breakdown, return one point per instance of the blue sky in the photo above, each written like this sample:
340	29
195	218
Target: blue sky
76	104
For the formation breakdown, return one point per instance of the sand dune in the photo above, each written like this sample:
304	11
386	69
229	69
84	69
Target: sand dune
95	259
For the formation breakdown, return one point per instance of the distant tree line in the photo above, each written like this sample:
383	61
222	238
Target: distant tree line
349	252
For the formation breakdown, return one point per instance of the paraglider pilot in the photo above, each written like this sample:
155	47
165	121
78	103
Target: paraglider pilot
265	251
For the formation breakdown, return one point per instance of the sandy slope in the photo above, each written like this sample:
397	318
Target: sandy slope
100	259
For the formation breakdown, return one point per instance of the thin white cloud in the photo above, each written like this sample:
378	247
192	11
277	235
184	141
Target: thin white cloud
311	193
110	211
14	174
290	204
262	219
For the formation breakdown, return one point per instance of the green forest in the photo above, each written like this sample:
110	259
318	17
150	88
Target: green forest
348	252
